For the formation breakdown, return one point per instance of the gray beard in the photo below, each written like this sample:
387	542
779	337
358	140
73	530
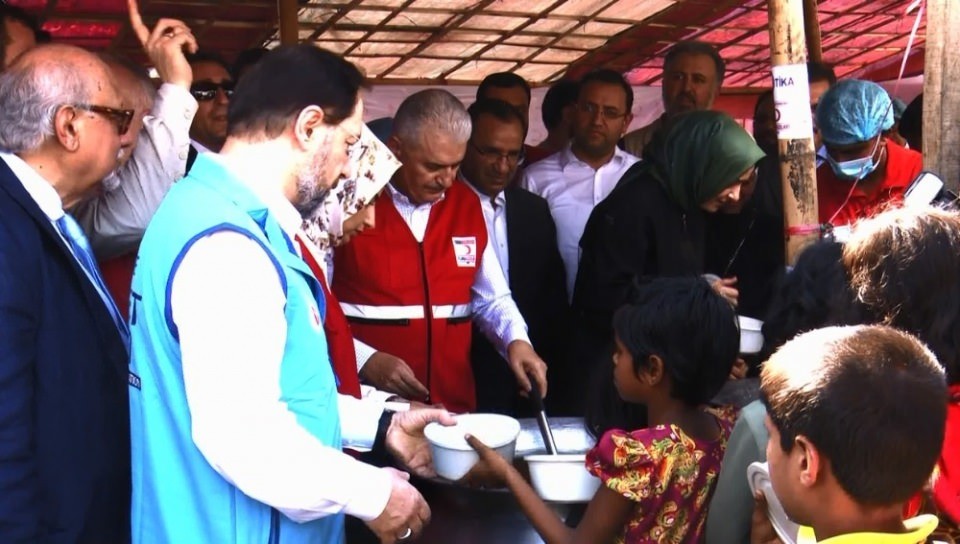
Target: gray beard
310	192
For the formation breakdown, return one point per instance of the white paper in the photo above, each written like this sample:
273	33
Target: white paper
791	96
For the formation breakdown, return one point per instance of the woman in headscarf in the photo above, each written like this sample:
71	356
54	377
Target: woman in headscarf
346	212
652	224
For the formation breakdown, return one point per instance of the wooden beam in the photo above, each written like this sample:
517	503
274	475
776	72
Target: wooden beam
513	32
811	26
287	11
941	94
449	25
794	125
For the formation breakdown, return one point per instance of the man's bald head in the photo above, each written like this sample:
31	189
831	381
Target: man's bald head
59	109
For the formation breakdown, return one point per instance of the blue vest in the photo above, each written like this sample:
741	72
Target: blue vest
178	498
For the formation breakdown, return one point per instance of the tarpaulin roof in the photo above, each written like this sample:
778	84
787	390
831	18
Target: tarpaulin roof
461	41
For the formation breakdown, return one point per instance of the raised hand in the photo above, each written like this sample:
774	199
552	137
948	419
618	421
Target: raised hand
165	46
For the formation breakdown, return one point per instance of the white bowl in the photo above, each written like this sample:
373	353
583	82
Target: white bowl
453	457
562	477
751	337
758	476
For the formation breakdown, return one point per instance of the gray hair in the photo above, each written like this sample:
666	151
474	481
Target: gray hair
30	95
431	109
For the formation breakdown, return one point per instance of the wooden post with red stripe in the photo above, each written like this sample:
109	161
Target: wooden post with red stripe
791	92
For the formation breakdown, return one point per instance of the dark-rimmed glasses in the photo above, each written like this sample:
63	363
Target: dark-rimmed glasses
120	118
608	113
512	157
204	91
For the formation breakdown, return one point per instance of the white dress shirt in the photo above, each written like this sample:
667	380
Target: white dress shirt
572	188
232	347
494	310
116	220
495	215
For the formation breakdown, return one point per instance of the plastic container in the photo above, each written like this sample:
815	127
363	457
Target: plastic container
453	457
562	478
751	337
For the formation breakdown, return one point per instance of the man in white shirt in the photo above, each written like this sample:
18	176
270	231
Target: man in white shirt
234	408
521	230
577	178
435	271
156	155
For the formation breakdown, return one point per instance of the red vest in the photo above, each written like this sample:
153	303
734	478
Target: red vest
343	357
412	299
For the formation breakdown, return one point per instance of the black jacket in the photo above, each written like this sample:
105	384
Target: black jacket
750	245
635	234
539	289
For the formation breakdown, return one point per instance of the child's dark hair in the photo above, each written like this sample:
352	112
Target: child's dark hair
872	400
816	293
685	323
904	266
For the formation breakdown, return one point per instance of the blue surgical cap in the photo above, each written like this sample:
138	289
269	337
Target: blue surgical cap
854	111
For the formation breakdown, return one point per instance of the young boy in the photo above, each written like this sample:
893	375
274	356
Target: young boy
856	419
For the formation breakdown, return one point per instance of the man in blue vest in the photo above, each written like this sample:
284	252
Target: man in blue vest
235	421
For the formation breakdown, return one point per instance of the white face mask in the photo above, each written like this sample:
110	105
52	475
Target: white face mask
856	169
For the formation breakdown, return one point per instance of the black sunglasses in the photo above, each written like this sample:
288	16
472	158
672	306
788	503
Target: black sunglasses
207	90
120	118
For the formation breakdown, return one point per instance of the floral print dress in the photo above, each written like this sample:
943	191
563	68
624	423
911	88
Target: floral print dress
670	476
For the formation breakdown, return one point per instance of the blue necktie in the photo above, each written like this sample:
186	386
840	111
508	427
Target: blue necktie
84	254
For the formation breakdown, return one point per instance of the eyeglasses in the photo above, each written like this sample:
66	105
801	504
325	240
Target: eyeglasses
512	157
120	118
610	114
204	91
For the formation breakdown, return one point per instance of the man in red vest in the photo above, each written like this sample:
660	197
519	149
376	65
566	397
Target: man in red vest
413	285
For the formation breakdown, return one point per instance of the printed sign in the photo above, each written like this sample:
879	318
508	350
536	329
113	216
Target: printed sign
465	249
791	95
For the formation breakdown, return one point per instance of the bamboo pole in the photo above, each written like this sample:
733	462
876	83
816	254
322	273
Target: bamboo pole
289	21
941	94
811	25
791	91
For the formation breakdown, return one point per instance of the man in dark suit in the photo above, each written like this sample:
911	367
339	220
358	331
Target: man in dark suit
524	237
64	416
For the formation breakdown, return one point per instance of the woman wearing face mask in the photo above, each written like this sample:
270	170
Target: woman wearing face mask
863	173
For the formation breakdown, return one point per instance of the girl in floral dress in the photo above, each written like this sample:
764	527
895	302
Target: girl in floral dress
675	346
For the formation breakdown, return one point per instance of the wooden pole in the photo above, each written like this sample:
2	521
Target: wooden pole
811	25
941	94
288	11
791	92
